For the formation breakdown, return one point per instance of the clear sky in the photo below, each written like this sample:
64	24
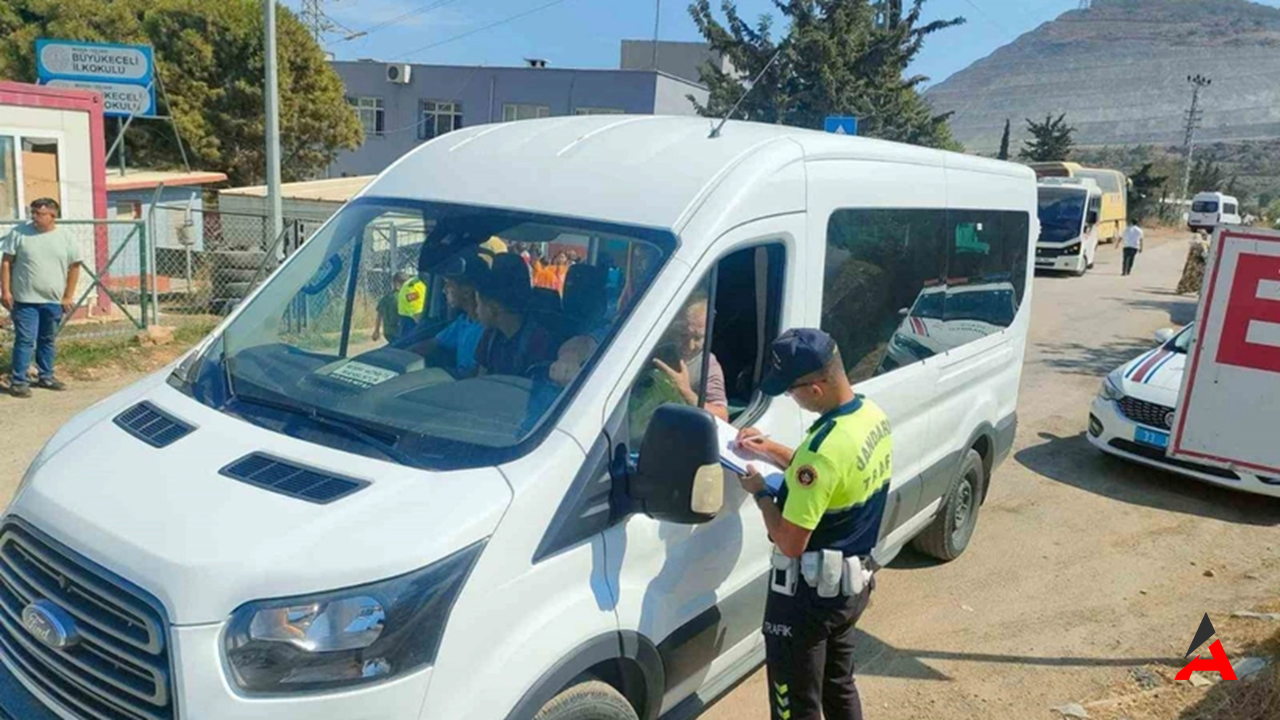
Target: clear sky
587	33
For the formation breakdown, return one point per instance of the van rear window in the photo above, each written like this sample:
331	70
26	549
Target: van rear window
1204	206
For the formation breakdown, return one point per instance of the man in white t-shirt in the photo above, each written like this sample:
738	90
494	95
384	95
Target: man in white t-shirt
1132	246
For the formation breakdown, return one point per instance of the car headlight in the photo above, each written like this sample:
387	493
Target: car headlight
1111	388
346	637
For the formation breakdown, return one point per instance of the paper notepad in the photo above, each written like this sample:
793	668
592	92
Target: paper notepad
734	459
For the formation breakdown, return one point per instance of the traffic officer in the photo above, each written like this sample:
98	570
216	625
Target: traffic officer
411	300
823	521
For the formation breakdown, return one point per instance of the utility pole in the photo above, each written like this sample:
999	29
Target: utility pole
657	20
1193	122
312	15
274	210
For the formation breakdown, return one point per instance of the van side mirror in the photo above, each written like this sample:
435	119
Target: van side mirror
679	479
1091	218
1164	335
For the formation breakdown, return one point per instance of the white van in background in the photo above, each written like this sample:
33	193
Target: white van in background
1068	211
1211	209
296	522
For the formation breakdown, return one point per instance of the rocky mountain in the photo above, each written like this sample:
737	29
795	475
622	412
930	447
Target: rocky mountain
1119	71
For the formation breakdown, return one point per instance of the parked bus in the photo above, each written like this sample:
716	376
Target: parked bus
1068	211
1114	213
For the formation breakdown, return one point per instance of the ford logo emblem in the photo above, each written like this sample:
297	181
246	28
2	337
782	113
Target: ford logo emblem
50	624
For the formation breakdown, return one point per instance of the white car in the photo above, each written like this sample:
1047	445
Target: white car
1133	414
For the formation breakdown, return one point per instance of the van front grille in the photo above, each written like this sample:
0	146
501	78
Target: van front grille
117	665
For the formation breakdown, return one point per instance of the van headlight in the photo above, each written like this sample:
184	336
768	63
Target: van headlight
1111	388
346	637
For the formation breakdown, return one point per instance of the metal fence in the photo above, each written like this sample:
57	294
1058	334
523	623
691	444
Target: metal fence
112	294
187	266
206	261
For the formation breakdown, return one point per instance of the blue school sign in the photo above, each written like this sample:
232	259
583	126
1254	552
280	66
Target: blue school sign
842	125
123	74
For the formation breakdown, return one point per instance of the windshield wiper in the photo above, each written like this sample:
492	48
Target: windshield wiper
339	424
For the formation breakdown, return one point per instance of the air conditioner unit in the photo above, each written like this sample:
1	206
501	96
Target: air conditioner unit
399	74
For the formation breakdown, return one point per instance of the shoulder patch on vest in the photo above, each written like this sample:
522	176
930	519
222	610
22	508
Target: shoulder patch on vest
806	475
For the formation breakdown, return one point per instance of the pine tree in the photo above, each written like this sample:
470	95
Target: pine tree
1004	141
1050	140
834	59
1146	189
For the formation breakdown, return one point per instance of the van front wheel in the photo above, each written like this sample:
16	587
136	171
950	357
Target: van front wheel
588	700
949	534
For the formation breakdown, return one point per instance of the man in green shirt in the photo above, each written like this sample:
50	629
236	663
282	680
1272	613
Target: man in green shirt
38	276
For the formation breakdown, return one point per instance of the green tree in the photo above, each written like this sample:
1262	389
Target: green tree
1050	140
833	59
1004	141
1206	176
1145	195
209	56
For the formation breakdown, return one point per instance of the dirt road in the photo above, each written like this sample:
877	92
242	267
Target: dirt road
1083	566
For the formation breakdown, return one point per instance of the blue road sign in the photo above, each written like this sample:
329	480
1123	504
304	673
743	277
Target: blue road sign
123	74
842	125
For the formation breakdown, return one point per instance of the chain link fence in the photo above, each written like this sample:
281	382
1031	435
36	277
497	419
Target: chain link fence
111	296
177	266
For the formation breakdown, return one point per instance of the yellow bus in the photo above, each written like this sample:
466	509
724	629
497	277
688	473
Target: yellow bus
1115	194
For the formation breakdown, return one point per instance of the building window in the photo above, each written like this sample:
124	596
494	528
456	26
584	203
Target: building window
598	111
372	115
439	118
514	111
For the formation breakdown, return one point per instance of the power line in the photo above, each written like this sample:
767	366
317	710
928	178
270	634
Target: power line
991	20
490	26
403	17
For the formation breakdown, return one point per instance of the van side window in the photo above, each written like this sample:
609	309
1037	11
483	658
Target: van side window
986	273
884	271
1229	208
735	317
901	286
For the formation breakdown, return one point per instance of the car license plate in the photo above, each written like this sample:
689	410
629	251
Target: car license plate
1152	438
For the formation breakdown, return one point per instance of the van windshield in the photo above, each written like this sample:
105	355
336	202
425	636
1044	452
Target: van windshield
434	335
1204	206
1061	213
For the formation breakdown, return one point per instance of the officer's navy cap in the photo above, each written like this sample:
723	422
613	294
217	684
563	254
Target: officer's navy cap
796	353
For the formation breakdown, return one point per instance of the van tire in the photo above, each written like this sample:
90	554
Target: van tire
948	535
588	700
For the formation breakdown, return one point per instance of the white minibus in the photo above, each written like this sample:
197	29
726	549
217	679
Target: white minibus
507	512
1211	209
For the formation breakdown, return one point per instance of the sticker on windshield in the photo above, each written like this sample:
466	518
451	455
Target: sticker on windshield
366	376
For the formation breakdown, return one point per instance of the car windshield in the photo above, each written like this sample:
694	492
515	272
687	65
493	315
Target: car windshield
993	304
435	335
1182	341
1061	213
1204	206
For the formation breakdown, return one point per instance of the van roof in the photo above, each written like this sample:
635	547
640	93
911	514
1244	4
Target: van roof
638	170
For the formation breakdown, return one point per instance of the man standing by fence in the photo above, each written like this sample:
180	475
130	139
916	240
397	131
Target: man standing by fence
38	277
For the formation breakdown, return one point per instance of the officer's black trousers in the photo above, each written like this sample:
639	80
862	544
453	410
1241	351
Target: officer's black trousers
809	654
